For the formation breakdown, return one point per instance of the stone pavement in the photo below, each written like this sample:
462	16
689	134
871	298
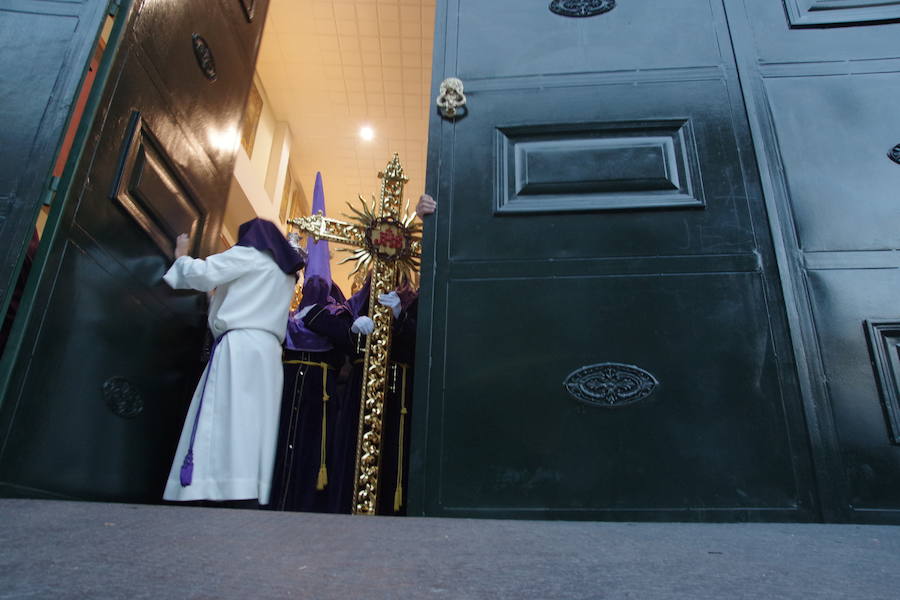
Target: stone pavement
54	549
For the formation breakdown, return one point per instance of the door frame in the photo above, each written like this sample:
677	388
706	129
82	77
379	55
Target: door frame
122	12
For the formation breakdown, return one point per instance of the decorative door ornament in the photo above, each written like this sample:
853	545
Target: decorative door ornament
122	397
610	384
894	154
249	7
204	55
389	242
451	97
581	8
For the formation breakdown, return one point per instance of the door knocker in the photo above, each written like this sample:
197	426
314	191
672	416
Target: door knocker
451	98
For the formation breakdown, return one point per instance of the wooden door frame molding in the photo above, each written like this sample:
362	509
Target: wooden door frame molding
833	491
35	184
59	188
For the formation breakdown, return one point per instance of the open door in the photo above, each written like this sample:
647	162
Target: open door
602	333
821	81
46	48
106	357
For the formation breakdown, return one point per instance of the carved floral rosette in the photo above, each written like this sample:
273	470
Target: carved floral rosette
581	8
610	384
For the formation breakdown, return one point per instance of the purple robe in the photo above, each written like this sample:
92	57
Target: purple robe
394	468
303	480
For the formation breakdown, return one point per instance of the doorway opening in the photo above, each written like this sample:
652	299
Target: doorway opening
339	87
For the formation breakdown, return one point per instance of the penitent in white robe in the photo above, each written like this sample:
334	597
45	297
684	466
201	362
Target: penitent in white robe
234	449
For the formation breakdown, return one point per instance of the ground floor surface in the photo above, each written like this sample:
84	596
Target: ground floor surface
51	549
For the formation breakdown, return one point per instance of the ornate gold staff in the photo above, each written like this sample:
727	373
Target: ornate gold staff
391	243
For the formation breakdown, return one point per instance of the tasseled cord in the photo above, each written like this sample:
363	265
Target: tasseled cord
398	493
322	479
187	466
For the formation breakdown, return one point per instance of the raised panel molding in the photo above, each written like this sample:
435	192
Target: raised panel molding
884	346
817	13
149	188
596	166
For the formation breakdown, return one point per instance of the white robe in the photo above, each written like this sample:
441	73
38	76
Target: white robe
234	449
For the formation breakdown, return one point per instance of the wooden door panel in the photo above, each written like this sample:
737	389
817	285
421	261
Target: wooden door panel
152	192
246	18
565	457
818	13
824	124
599	223
211	100
98	399
844	300
46	47
778	42
520	39
706	214
101	412
45	63
100	210
843	186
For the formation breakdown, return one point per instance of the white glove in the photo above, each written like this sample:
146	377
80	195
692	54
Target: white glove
363	325
299	316
392	301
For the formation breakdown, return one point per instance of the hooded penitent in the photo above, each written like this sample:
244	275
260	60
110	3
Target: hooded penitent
266	237
317	286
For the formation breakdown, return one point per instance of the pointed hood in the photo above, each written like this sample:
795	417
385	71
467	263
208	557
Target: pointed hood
317	275
317	286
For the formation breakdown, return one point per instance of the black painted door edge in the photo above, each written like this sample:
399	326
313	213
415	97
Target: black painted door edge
828	469
123	14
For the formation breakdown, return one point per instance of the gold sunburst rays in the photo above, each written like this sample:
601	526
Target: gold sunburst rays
365	216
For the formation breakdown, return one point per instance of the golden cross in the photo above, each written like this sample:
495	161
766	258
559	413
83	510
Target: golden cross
387	238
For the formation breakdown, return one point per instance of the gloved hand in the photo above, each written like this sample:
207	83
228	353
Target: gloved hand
303	312
392	301
363	325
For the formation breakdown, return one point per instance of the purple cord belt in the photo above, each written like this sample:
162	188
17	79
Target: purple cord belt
187	467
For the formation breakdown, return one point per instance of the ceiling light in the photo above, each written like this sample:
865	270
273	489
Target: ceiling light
367	133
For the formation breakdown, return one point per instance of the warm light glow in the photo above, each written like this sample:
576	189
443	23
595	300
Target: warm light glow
367	133
226	140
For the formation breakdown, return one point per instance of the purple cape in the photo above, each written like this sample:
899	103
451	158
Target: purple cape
299	337
265	236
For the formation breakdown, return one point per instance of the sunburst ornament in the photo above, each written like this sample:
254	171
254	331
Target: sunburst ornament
386	240
391	239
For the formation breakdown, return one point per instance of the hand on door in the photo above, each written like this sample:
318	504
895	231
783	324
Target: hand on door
182	245
426	206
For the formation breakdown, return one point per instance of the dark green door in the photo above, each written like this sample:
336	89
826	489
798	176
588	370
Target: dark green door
110	355
821	80
604	333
